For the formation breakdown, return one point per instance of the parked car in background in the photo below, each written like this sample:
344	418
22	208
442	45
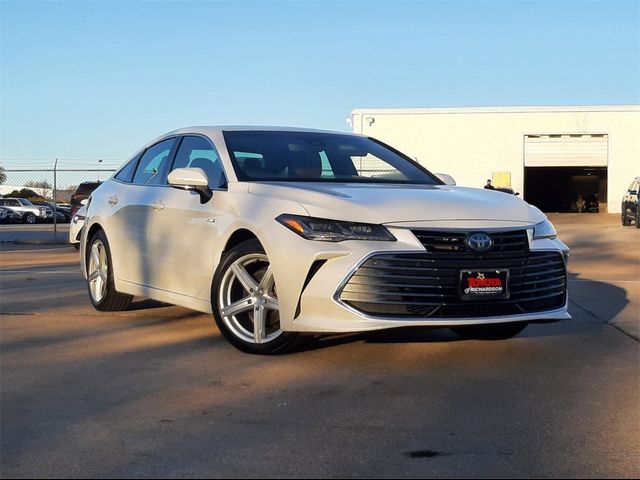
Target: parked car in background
509	190
82	192
9	216
30	213
75	229
592	204
630	208
63	214
281	232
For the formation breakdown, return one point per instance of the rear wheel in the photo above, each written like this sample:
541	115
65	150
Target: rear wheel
245	302
102	290
491	332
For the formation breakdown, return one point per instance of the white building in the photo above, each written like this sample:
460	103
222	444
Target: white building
551	155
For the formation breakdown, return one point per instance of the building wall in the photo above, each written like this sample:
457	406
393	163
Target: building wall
472	143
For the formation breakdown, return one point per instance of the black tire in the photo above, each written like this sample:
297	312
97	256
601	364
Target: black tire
112	301
638	218
500	331
30	219
625	221
286	342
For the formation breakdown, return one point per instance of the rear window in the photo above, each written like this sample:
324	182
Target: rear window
126	173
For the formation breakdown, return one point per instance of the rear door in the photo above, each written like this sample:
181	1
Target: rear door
133	201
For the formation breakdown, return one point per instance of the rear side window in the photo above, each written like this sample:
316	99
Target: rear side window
153	166
199	152
126	173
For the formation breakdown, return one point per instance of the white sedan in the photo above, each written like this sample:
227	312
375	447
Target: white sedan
281	232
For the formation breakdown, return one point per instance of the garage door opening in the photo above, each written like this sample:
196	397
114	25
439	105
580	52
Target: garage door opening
566	173
566	189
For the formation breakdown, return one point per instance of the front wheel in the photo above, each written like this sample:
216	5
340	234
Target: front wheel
625	220
102	290
500	331
245	302
30	219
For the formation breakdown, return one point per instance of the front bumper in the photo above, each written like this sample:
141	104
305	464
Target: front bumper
318	307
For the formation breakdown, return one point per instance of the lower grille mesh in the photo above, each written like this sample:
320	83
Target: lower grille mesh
424	285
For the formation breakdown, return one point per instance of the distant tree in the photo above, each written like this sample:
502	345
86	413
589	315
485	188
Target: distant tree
25	193
44	186
3	175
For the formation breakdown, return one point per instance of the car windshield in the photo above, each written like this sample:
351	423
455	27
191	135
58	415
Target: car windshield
320	157
24	201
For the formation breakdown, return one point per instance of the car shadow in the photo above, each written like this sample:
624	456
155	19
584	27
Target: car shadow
590	301
145	304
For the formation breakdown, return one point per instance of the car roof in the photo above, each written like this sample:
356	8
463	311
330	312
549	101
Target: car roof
252	128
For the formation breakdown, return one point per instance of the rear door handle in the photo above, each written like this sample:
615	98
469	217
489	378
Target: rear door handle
157	206
113	200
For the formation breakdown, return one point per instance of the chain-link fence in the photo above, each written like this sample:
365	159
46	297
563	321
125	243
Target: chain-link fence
35	203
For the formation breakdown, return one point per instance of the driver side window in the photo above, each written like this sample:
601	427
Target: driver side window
198	152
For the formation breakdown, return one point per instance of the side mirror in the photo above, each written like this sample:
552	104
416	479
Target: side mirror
447	179
191	179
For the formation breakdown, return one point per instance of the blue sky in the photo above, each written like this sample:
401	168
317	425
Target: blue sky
89	80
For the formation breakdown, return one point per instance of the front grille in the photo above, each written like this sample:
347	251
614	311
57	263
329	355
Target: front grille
509	243
426	285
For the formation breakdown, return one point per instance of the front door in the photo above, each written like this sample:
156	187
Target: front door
183	231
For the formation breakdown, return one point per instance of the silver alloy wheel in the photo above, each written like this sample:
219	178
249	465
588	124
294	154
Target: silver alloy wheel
31	219
98	271
248	300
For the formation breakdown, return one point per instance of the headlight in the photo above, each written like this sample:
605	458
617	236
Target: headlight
544	230
334	230
77	218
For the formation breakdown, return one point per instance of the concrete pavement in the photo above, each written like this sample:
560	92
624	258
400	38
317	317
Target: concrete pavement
156	391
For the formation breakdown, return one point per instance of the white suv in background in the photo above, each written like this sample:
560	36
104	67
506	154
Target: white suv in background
30	212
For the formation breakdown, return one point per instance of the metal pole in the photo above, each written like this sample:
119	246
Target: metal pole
55	204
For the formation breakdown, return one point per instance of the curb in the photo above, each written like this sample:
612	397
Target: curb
34	242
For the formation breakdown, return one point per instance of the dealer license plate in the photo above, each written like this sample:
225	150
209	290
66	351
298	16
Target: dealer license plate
484	284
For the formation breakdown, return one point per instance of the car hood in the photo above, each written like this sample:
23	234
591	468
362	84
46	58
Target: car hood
409	205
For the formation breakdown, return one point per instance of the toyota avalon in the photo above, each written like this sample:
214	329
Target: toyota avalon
283	232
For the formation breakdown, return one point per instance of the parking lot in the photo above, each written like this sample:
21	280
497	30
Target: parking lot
37	233
157	392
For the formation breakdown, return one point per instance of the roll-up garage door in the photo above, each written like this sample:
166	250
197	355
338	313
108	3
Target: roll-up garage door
565	150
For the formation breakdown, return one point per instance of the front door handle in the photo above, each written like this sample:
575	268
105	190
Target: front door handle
157	206
113	200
